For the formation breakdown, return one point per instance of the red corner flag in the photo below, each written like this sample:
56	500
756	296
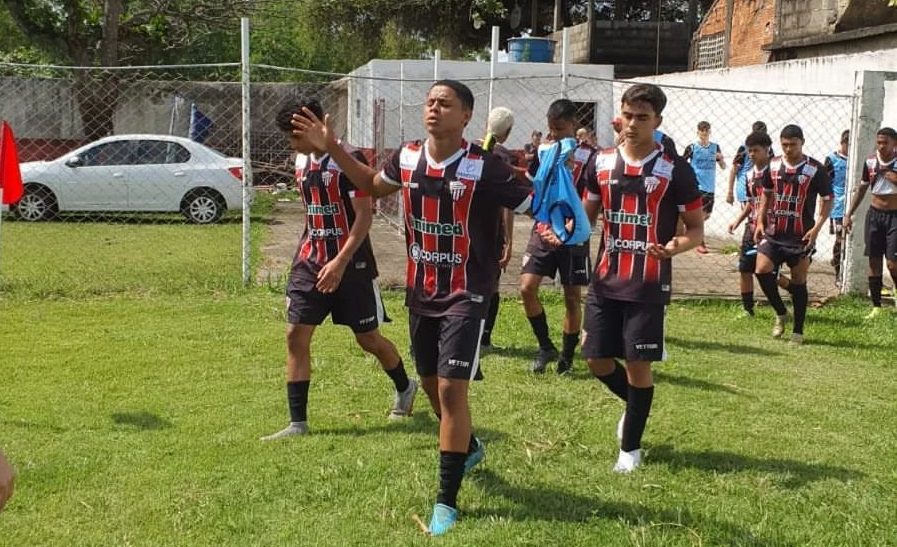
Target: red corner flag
10	176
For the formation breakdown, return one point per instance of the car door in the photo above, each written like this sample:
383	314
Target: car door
158	180
97	181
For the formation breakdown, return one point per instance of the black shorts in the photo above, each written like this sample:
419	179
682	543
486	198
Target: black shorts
629	330
356	304
707	199
572	262
447	346
785	253
747	257
881	234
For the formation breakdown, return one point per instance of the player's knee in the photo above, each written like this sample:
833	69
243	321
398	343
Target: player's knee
601	367
452	394
370	342
572	302
529	290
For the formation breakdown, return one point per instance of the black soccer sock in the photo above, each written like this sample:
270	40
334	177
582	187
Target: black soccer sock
297	398
799	298
540	329
570	342
491	315
638	407
747	301
616	381
399	377
875	284
771	290
451	471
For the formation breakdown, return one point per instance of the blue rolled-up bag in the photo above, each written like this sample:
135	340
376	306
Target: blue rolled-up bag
555	200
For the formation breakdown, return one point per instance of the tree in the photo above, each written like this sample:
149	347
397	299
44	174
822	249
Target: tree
112	32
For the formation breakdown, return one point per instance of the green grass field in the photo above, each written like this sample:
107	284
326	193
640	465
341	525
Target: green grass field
132	416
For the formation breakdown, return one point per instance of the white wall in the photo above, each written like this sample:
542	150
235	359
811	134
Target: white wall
525	88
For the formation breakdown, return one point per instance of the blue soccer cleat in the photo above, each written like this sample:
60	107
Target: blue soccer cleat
443	519
475	457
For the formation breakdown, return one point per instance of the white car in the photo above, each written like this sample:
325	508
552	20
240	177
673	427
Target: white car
145	173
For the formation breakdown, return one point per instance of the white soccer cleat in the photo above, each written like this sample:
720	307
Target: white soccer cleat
292	430
404	402
627	462
779	327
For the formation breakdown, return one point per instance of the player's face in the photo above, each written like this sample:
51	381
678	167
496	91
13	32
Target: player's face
884	145
561	129
444	114
704	134
639	123
299	144
759	155
792	149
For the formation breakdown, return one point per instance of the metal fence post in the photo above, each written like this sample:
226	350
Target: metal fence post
246	136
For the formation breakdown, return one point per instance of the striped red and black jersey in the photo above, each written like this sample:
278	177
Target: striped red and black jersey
792	191
452	210
641	202
329	217
874	174
754	191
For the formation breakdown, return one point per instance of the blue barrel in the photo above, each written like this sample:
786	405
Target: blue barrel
531	50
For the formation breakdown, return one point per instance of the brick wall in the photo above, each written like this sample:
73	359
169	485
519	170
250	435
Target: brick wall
577	49
753	24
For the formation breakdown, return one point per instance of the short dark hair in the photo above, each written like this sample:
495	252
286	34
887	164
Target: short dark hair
888	132
792	131
845	136
562	109
759	126
758	138
703	126
462	91
284	117
646	93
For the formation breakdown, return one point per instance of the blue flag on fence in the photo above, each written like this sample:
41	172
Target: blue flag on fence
555	200
200	124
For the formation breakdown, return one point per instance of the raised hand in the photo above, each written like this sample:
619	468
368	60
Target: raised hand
312	129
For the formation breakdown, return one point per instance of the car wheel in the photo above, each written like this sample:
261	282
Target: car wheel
37	203
203	207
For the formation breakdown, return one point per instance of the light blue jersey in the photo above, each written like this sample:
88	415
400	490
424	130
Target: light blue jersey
836	165
703	161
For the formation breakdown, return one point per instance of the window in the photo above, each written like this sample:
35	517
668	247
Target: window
711	51
159	152
110	153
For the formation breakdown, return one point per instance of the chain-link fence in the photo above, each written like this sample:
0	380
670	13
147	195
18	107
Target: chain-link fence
172	156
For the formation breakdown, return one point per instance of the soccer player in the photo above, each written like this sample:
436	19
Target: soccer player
879	172
531	148
704	156
498	129
836	167
333	273
741	165
757	144
452	192
542	259
785	231
643	190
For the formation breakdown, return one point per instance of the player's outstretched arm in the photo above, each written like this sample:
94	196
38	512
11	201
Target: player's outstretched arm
319	133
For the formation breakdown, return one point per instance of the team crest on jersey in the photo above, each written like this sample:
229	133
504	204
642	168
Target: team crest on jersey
327	177
457	188
651	184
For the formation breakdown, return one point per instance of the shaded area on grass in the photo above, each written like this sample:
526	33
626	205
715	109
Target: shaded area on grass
709	345
794	473
695	383
542	502
145	421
